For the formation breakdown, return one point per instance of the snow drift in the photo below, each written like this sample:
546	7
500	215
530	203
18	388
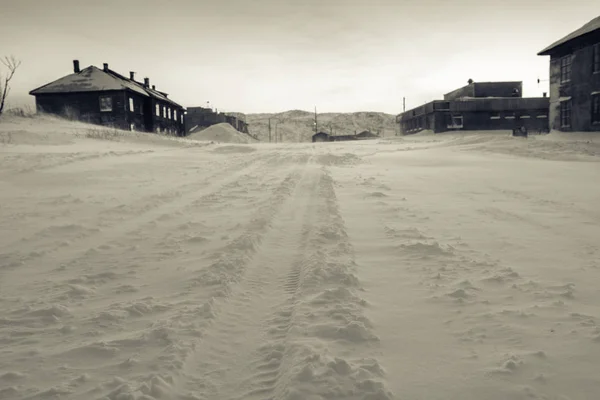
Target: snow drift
457	266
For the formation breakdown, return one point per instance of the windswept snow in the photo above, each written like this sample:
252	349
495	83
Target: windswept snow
454	266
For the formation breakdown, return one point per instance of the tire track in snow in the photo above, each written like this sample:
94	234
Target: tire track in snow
225	280
39	263
310	333
107	218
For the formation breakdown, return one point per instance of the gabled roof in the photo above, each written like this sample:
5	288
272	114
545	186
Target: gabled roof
591	26
93	79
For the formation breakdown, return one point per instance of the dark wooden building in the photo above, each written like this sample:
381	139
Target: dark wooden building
104	97
203	117
478	106
575	79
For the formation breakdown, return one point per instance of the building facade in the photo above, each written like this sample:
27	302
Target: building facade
575	79
479	106
104	97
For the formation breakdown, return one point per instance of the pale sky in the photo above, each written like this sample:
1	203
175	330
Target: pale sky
275	55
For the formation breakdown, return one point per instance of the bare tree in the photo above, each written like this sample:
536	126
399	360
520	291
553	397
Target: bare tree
11	63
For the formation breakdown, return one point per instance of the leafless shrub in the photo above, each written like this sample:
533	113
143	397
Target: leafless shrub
11	63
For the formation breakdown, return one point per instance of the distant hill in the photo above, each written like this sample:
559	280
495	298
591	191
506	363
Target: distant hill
297	125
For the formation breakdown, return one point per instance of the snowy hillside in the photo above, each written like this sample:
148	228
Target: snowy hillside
454	266
297	126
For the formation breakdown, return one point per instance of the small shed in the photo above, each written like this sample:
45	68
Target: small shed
321	137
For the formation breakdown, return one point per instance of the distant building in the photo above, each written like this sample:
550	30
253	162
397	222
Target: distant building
201	117
325	137
478	106
321	137
104	97
575	79
366	135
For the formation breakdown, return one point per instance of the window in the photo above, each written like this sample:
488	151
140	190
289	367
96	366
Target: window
510	115
164	113
596	62
565	69
157	110
495	115
525	116
130	104
565	114
175	115
169	113
132	127
106	103
182	118
455	121
596	108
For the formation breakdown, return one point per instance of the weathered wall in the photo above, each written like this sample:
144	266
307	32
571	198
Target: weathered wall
497	89
582	84
85	107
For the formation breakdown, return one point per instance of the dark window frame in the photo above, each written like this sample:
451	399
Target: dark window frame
566	63
103	106
595	102
596	58
565	114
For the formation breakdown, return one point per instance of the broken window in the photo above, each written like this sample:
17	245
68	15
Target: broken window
106	103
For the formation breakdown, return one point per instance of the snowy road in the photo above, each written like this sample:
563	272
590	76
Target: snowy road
414	269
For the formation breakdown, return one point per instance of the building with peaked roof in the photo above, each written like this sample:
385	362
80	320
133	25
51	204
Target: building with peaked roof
575	79
104	97
478	106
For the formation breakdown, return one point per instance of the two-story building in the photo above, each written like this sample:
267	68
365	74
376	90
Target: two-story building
575	79
478	106
104	97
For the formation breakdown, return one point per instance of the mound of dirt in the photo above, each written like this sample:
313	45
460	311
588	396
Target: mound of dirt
222	132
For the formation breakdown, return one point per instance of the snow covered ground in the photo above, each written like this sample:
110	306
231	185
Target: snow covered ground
455	266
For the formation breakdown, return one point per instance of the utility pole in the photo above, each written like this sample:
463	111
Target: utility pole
316	123
403	104
269	130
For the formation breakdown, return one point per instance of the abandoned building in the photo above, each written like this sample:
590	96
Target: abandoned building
478	106
575	79
201	117
365	135
326	137
104	97
321	137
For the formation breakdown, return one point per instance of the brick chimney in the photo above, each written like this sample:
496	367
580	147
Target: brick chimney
105	67
132	75
146	82
153	87
76	66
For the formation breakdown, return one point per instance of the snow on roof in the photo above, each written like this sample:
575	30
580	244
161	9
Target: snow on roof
591	26
93	79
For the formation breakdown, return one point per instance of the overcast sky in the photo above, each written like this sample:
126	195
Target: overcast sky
276	55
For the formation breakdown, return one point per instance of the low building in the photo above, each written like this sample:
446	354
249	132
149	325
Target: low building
321	137
478	106
203	117
104	97
575	79
365	135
